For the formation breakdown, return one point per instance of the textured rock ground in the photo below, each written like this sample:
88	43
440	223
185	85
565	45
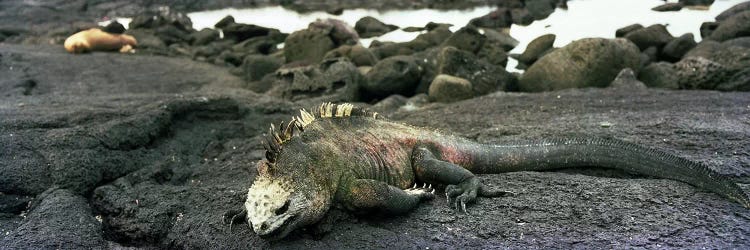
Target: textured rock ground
161	149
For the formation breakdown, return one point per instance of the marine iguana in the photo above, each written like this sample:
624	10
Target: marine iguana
353	158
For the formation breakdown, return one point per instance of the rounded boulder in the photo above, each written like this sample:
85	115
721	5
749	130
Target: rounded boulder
447	88
590	62
393	75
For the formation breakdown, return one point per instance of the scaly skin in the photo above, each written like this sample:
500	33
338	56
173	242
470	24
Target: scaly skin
364	164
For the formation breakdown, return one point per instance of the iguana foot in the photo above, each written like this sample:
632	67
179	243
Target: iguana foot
426	192
467	191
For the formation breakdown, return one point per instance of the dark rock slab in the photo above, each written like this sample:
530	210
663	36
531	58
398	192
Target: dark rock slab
59	218
187	157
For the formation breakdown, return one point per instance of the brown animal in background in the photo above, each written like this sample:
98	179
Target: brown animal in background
97	40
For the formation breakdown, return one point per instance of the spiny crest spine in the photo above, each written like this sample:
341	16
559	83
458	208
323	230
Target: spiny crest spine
274	140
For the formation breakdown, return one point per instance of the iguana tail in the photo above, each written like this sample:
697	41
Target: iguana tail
606	153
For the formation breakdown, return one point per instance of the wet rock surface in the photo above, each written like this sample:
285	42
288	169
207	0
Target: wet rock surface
162	155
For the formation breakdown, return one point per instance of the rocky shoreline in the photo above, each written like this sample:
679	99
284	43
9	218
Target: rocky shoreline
154	149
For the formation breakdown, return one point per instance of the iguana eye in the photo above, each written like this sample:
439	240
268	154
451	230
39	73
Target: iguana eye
283	208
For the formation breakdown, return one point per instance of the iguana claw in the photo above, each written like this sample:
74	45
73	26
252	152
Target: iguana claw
425	192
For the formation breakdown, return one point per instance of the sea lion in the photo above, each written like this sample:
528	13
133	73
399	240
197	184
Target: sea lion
97	40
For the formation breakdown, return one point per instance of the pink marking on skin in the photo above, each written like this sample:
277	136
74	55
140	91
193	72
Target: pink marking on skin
456	156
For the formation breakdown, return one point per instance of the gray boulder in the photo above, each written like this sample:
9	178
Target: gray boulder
393	75
499	18
308	46
590	62
148	41
740	7
447	88
700	73
340	32
668	7
500	38
467	38
536	48
654	35
707	28
688	73
204	36
675	49
740	42
240	31
485	77
370	27
255	67
224	22
494	53
733	57
540	9
359	55
621	32
521	16
659	75
735	26
336	80
696	2
627	81
740	81
114	27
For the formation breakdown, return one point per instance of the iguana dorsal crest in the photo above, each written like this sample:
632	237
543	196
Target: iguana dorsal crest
274	140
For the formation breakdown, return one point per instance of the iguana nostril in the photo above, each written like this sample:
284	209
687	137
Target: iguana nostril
263	226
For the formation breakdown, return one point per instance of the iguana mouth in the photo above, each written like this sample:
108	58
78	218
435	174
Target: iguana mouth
282	230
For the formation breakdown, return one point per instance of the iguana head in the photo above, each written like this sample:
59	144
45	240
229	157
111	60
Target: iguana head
293	188
290	191
279	201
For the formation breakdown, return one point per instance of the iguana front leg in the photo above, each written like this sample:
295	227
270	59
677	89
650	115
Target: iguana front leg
463	186
368	195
